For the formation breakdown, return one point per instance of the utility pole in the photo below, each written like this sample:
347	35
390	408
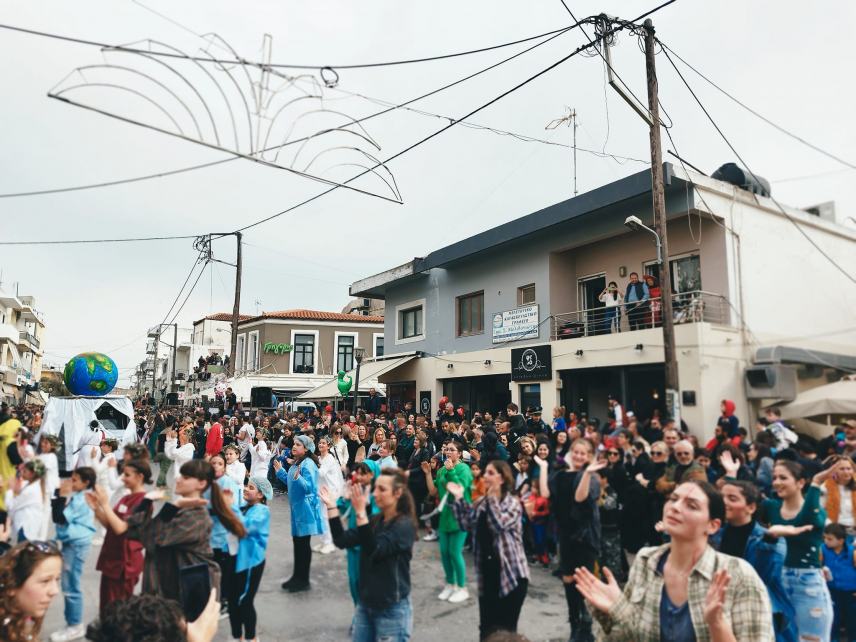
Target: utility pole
659	198
174	353
573	117
155	365
236	310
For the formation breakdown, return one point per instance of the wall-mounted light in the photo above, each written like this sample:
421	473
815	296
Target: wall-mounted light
450	366
487	362
622	271
579	353
638	347
655	393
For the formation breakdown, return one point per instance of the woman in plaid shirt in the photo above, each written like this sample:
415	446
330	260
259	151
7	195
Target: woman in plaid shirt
684	590
495	521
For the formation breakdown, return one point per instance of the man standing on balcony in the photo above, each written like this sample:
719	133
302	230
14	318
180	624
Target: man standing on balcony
636	302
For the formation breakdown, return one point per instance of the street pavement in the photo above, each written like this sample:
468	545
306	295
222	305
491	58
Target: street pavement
324	613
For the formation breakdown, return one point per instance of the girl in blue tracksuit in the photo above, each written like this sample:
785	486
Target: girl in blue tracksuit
223	543
251	558
365	473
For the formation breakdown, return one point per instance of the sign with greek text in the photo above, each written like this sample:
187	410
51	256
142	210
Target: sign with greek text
520	323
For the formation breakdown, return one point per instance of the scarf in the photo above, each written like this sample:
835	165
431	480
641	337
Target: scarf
833	499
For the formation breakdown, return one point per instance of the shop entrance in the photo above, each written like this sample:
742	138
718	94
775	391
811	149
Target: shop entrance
488	393
638	388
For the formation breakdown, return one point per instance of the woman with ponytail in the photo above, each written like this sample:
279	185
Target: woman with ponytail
179	536
386	546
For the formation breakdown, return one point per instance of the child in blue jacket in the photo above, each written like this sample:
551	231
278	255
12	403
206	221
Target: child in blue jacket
75	528
839	566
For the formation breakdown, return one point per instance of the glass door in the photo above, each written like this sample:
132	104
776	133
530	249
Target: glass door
593	316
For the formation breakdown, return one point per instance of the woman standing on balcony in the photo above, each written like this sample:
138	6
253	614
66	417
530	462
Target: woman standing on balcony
612	299
655	316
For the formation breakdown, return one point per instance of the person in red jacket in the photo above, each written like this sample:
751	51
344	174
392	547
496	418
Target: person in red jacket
214	441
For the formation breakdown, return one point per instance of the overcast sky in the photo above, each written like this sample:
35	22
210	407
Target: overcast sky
788	60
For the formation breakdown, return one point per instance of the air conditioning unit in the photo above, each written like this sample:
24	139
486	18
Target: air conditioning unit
773	381
825	211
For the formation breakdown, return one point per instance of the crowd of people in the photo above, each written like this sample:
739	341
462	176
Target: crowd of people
649	533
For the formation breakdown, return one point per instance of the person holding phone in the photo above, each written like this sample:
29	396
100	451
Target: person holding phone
452	536
178	449
384	611
612	300
179	535
251	558
302	481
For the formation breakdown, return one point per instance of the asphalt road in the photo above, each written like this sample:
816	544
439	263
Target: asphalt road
324	613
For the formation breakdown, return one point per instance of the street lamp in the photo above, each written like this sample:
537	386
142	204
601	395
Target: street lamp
359	353
635	223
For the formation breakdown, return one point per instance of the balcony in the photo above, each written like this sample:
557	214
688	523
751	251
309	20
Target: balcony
9	333
687	307
29	338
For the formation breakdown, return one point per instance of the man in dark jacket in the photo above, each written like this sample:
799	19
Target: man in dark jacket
373	402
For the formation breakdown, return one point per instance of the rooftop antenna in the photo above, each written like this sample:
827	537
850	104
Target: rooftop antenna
258	303
570	119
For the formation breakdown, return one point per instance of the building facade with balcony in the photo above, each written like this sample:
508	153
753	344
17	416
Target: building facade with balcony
514	313
22	330
290	352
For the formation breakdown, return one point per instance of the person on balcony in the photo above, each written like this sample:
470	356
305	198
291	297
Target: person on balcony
655	316
636	300
612	299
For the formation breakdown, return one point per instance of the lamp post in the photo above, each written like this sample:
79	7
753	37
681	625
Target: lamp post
359	353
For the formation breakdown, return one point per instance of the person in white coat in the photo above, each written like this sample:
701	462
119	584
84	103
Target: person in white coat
260	456
329	476
87	452
235	468
48	445
180	450
27	504
339	447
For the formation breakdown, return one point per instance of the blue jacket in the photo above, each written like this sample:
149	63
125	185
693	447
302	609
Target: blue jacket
219	541
768	558
79	527
251	550
841	566
303	496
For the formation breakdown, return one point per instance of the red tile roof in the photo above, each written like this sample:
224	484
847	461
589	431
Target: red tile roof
317	315
222	316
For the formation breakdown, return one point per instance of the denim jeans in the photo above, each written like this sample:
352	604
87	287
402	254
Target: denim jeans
73	557
392	624
812	603
610	316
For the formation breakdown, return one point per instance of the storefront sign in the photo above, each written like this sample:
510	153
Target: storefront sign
425	402
277	348
520	323
532	364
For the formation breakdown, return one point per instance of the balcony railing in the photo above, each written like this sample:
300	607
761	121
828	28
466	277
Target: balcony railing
687	307
30	338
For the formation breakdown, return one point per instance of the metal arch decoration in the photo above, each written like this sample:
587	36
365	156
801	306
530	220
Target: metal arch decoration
194	104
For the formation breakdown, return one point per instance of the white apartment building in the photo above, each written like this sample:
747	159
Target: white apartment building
22	330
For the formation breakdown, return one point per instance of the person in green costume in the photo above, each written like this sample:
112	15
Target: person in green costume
452	538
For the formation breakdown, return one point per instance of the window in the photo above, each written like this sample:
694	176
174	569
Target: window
304	353
410	323
253	351
471	314
345	352
530	395
685	272
241	344
526	294
378	345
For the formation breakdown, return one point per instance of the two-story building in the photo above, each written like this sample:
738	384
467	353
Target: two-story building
290	352
22	330
515	312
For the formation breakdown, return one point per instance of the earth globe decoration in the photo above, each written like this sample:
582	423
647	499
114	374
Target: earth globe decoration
90	374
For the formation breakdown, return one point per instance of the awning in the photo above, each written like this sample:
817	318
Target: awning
837	398
369	374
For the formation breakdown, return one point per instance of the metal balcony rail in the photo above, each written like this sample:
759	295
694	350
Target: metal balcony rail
687	307
30	338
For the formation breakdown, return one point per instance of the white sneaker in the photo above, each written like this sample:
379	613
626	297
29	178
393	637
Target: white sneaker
327	549
70	633
460	595
317	547
446	592
431	537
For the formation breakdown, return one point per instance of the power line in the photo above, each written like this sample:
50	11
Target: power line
114	240
758	115
263	65
183	285
189	292
795	223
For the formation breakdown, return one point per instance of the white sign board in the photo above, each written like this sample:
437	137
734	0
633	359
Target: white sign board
520	323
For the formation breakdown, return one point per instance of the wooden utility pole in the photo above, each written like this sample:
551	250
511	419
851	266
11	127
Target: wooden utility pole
659	197
236	310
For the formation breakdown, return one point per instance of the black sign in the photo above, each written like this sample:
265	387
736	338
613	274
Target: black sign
531	364
425	403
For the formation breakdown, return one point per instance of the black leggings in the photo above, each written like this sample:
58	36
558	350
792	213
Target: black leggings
573	555
242	611
302	558
226	563
500	613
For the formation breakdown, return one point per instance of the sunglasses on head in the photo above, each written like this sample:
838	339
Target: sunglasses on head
657	452
612	452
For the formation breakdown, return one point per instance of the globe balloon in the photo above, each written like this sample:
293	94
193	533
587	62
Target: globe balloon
90	374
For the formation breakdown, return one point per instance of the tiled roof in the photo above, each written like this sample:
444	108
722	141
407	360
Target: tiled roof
222	316
317	315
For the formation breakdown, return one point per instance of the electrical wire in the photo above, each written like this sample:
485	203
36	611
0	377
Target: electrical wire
114	240
795	223
757	114
263	65
189	292
181	290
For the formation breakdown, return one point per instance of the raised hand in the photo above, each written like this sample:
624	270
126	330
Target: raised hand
155	495
729	464
426	467
327	497
595	466
190	502
92	500
359	498
715	598
204	628
601	595
455	490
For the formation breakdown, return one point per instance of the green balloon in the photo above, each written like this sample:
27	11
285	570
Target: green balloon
344	383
